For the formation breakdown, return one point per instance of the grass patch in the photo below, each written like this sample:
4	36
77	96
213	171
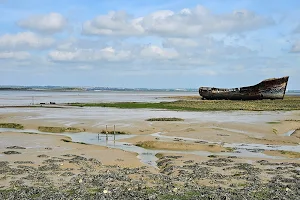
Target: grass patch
146	144
291	154
11	125
74	130
273	122
229	149
51	129
164	119
159	155
116	132
178	146
288	103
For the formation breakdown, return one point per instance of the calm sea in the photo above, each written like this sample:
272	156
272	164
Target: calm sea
36	97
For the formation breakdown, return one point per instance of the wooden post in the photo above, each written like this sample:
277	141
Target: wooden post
106	133
114	132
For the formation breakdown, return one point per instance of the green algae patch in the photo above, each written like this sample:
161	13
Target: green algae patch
11	125
291	154
159	155
51	129
164	119
74	130
273	122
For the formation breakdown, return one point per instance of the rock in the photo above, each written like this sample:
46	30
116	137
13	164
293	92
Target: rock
15	147
43	156
24	162
11	152
105	191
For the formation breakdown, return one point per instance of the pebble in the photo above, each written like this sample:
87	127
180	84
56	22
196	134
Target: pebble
114	182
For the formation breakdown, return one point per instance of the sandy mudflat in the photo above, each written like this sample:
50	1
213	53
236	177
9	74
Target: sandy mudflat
52	145
231	160
51	168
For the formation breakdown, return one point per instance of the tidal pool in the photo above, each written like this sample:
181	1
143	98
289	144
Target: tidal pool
148	157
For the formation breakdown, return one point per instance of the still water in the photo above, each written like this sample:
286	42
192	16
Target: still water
36	97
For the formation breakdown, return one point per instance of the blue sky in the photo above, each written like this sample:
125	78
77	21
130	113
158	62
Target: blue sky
155	44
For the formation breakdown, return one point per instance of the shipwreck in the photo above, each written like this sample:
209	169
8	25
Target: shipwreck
273	88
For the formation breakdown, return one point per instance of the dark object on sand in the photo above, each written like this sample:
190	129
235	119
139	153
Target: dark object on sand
15	147
273	88
52	102
11	152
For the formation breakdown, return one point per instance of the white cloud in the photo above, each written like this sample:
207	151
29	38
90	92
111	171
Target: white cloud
48	23
180	42
166	23
200	21
19	55
155	52
114	23
24	40
89	55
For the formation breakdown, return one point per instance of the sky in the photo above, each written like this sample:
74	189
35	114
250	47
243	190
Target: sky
150	43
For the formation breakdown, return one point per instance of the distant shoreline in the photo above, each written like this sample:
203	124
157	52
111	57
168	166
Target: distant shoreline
97	90
70	89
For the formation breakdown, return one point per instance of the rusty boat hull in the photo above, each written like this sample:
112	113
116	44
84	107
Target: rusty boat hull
267	89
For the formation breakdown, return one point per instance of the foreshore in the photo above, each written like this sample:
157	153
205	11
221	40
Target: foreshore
216	155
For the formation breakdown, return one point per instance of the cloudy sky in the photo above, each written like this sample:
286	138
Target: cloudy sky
155	44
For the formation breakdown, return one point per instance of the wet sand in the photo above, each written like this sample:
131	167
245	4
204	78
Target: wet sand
268	128
93	172
68	165
52	145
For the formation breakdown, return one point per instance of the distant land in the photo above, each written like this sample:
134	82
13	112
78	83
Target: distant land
78	89
86	88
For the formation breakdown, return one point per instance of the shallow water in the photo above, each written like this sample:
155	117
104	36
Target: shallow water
148	157
37	97
289	133
73	115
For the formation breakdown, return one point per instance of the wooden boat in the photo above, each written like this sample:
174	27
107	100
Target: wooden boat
273	88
